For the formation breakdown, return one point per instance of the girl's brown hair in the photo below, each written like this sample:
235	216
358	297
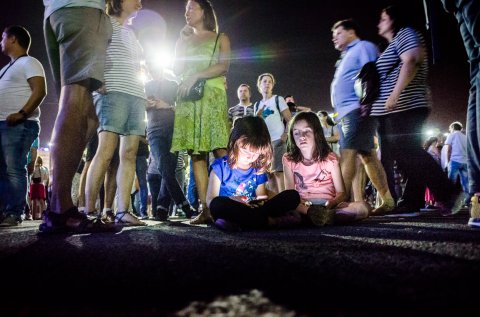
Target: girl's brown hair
250	132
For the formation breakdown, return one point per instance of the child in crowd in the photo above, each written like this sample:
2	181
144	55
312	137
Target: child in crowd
38	192
236	194
313	170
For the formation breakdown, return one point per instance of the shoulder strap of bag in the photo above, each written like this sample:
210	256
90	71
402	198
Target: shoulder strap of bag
214	48
255	107
278	106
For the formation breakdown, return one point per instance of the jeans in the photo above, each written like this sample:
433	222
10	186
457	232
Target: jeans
15	143
192	194
141	170
468	17
166	163
154	182
456	169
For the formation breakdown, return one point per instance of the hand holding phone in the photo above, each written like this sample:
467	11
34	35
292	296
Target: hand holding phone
258	201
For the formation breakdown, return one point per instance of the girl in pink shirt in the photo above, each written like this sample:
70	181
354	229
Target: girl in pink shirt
311	168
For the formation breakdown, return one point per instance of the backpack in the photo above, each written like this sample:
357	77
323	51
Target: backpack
255	106
367	87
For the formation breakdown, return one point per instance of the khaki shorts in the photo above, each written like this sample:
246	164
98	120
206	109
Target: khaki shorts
279	148
77	40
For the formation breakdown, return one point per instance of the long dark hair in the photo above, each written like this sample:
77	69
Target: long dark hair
329	120
399	16
429	142
210	18
114	7
251	132
322	149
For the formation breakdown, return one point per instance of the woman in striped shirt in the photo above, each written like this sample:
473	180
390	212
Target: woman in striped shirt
120	106
402	109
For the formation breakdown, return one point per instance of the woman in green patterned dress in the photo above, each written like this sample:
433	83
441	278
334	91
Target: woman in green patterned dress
201	126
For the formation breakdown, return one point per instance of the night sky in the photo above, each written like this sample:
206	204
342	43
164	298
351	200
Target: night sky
293	42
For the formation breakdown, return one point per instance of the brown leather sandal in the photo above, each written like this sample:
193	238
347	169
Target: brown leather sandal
73	222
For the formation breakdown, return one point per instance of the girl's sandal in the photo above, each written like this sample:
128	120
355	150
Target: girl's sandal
130	220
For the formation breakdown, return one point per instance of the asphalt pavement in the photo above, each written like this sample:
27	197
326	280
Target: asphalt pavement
407	265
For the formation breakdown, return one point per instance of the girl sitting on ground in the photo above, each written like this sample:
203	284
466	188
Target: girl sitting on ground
313	170
236	195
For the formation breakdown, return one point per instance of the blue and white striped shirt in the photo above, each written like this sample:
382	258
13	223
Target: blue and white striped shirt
415	94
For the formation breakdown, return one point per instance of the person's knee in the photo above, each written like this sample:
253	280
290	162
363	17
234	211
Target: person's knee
292	196
129	154
217	205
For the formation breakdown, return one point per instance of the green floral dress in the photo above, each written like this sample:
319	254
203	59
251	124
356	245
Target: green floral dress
202	125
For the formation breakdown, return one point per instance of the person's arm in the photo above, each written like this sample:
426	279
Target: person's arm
213	189
304	108
290	184
261	190
411	62
339	186
288	175
335	137
180	51
449	152
287	116
33	157
44	173
157	104
448	149
37	85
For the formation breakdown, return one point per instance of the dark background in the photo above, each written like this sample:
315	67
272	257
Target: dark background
292	41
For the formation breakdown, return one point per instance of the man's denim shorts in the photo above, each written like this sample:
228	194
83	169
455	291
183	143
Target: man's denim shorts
358	132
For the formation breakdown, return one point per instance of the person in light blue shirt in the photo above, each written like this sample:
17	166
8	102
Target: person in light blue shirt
357	131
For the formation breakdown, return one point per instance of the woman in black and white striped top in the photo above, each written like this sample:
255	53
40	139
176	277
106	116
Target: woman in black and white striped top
401	111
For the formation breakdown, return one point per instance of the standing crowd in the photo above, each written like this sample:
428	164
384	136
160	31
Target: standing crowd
263	164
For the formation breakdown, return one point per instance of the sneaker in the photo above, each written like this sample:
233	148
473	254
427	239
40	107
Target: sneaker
161	216
188	211
11	221
320	215
474	220
227	226
180	214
